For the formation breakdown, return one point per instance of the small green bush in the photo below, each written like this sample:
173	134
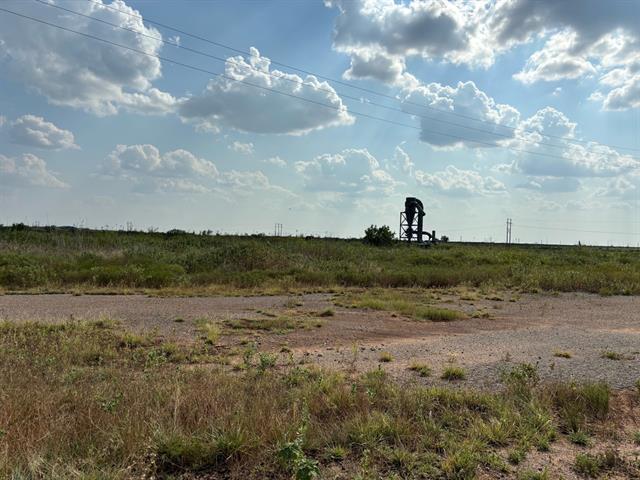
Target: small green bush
379	236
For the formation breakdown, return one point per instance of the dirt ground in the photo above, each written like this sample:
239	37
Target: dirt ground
532	329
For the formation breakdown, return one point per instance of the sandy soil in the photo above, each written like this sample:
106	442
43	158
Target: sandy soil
531	329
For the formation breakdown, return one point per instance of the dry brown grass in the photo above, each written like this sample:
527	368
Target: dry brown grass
89	401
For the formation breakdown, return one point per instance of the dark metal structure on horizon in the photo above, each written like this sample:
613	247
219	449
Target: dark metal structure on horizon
411	222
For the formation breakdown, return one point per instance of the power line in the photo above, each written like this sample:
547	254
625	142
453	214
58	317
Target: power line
562	229
261	87
346	84
475	228
300	82
533	227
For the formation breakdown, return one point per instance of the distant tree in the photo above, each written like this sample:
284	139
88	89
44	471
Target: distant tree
379	236
444	239
175	232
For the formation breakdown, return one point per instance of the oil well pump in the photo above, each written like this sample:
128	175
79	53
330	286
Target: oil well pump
411	223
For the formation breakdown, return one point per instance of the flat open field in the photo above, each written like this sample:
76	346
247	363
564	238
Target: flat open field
536	329
292	358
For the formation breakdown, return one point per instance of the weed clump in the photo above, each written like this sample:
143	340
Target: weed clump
562	354
593	466
385	357
421	369
577	405
453	372
610	355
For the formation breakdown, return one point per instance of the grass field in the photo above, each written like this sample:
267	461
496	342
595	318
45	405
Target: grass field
88	400
69	259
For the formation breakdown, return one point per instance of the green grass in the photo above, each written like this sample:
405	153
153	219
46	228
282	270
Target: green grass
610	355
534	475
580	404
279	324
78	402
592	466
76	260
209	330
453	372
421	369
579	438
402	302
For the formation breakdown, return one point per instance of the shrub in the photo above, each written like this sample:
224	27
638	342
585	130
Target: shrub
379	236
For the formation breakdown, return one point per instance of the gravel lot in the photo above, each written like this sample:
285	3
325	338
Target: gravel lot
531	329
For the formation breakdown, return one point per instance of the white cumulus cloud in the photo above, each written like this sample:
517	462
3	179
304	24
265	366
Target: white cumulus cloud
566	158
178	171
350	171
440	128
34	131
79	72
242	148
132	160
592	39
380	34
459	183
227	102
27	170
556	61
277	161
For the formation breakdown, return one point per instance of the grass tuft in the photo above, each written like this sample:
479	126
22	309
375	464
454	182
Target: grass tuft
209	330
562	354
579	438
385	357
534	475
421	369
610	355
453	372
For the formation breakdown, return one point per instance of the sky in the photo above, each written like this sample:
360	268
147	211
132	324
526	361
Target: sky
232	116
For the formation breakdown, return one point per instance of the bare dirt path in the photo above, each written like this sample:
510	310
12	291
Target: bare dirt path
533	329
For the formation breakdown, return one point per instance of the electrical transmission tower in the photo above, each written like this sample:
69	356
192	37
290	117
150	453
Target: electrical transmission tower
508	238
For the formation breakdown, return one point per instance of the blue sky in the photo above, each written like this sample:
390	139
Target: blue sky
514	109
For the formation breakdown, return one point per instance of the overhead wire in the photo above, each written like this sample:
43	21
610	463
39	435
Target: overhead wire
305	84
343	83
261	87
563	229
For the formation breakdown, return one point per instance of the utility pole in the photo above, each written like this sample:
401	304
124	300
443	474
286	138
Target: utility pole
508	237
